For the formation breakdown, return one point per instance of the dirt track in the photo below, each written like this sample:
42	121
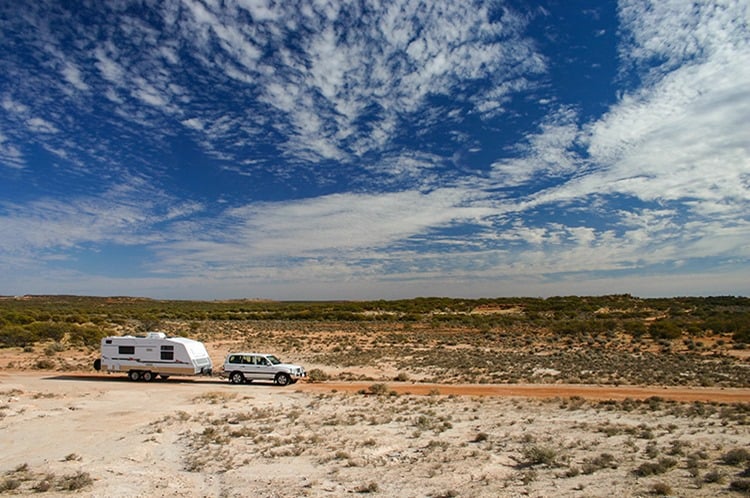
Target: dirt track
594	392
547	391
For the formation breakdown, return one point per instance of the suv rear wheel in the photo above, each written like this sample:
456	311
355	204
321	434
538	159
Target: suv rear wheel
236	378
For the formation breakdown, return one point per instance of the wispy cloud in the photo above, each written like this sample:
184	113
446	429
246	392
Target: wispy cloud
126	214
398	55
10	155
341	91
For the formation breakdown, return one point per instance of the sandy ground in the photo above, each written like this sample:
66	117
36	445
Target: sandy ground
100	435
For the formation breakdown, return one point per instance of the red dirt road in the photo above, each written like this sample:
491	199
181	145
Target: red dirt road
722	395
592	392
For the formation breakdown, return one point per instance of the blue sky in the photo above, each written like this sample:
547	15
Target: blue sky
358	150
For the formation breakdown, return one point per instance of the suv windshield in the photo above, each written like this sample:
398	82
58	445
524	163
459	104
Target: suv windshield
273	359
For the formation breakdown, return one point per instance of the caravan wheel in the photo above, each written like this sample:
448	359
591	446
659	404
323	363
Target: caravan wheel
134	375
147	376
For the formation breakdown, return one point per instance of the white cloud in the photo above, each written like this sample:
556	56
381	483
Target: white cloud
13	107
195	124
546	154
41	125
148	93
383	70
349	221
683	137
261	10
124	214
108	67
10	155
675	33
73	75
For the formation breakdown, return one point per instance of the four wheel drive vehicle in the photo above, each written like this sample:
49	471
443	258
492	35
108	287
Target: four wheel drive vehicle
247	367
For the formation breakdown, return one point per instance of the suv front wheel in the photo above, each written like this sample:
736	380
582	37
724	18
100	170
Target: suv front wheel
283	379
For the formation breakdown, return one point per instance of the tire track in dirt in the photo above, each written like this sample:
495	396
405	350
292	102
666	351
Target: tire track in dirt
540	391
598	392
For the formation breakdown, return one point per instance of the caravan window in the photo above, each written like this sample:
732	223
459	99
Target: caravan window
126	349
167	352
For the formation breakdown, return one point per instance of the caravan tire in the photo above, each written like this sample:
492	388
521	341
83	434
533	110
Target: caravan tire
134	375
283	379
236	378
98	364
147	376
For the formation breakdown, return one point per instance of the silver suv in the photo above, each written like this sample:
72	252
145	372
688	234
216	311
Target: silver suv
247	367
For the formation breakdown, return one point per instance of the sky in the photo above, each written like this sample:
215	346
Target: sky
206	149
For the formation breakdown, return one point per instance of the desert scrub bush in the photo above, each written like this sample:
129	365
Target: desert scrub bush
605	460
371	487
317	375
54	348
677	448
736	412
379	389
15	336
402	377
539	455
214	397
528	476
664	329
480	437
447	494
44	364
694	462
736	456
23	478
87	335
661	489
210	435
195	463
741	486
74	482
9	484
44	484
654	468
713	476
429	421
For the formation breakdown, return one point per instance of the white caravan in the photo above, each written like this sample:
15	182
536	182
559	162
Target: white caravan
145	357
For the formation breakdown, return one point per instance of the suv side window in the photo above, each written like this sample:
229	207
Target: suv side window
235	359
